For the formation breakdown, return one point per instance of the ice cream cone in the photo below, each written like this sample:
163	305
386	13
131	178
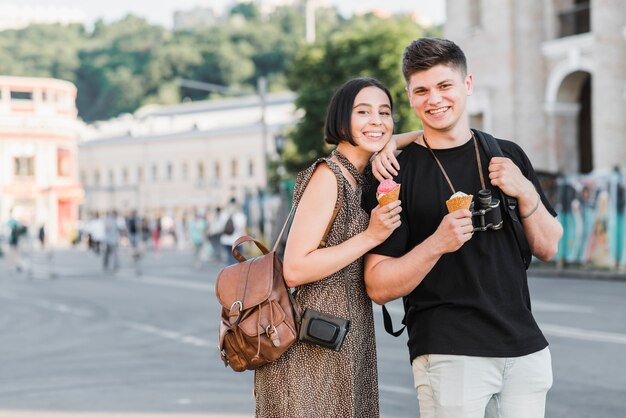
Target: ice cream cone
459	202
390	196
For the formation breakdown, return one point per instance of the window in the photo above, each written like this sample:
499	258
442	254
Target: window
21	95
169	171
184	171
96	178
218	170
139	174
111	177
155	172
124	176
200	170
64	163
251	168
234	168
24	166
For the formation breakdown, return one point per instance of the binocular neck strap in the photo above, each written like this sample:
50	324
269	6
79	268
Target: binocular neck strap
480	166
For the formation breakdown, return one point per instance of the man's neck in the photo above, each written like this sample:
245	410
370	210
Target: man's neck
454	137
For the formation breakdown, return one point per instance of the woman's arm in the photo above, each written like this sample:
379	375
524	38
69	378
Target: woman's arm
304	262
385	165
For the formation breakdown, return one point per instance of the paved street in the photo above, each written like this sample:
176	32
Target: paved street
80	343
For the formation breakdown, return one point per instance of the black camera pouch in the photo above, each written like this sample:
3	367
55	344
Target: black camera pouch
323	329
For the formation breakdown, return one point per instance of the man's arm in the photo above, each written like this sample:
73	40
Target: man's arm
388	278
542	230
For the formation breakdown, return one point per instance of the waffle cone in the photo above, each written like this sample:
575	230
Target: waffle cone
390	196
461	202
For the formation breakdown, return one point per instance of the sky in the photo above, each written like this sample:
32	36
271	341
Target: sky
160	11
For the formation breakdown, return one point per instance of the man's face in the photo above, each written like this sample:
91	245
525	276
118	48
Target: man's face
438	96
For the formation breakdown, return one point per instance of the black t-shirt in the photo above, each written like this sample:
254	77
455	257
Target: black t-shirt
474	301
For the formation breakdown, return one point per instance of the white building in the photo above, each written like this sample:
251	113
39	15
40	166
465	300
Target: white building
38	154
550	75
17	16
172	159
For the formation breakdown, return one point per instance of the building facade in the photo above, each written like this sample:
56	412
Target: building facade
38	154
170	160
550	75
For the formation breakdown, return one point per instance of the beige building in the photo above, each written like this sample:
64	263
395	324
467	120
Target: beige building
171	159
550	75
38	154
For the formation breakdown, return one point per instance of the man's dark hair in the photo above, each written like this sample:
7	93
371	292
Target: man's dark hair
425	53
339	113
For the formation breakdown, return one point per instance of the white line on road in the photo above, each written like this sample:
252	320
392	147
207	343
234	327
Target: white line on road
162	281
400	390
169	334
583	334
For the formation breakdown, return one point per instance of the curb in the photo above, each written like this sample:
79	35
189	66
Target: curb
572	273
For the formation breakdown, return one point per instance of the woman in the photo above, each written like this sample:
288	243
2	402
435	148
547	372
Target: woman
308	380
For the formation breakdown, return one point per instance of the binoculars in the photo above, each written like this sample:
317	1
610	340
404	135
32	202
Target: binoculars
488	216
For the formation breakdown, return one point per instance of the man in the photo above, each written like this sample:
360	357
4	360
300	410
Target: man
475	347
234	222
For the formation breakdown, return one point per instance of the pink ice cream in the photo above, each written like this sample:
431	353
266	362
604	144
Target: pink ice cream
387	192
386	186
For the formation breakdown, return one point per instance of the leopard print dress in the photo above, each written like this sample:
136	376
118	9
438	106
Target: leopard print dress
308	381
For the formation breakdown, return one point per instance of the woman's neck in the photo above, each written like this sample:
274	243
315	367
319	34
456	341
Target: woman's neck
358	157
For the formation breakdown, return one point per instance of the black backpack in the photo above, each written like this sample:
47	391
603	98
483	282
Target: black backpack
229	227
491	147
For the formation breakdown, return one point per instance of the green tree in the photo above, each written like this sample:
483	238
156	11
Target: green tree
367	47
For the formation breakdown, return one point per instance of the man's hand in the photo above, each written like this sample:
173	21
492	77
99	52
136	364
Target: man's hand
385	165
504	174
454	230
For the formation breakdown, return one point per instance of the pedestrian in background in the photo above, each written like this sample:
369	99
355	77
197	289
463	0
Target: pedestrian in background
15	231
133	229
234	227
215	229
197	230
111	242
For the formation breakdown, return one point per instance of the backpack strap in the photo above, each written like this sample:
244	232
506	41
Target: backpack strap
491	147
389	325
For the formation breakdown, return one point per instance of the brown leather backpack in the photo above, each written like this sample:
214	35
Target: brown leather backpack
260	318
259	322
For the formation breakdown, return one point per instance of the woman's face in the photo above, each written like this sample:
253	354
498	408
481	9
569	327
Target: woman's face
371	124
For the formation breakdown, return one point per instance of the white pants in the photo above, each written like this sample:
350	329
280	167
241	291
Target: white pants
450	386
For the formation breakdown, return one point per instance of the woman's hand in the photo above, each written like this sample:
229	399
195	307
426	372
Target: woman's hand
383	221
385	165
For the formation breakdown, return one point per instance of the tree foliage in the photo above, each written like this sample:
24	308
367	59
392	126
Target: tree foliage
368	46
123	65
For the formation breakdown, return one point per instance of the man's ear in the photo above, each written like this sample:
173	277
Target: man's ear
469	84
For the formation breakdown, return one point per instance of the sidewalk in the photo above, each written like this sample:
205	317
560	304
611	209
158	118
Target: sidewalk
538	269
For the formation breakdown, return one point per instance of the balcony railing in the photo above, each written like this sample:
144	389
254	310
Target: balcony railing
575	20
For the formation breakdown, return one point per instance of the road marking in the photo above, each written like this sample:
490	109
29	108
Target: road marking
169	334
162	281
583	334
400	390
544	306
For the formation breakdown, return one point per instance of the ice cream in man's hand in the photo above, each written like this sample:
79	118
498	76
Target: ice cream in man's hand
459	200
388	191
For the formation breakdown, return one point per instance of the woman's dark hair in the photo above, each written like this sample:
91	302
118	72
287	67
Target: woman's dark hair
339	113
425	53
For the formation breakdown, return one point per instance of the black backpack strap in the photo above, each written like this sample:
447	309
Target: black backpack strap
490	145
389	325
